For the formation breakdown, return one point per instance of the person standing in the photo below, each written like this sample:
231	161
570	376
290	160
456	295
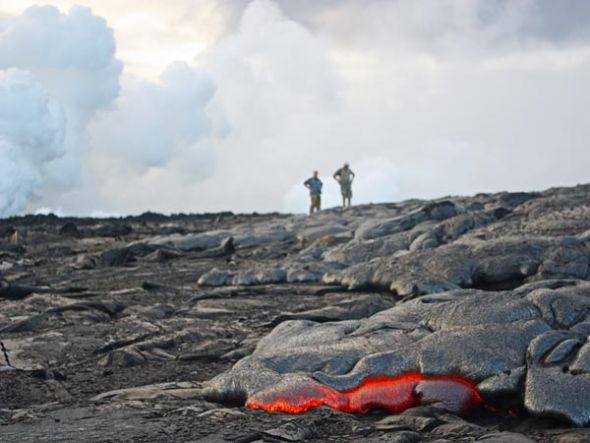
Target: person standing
344	176
314	184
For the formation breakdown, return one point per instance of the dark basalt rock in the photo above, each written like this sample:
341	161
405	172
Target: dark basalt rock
351	309
115	230
11	247
469	263
505	437
15	292
7	232
116	257
385	306
468	332
69	228
163	254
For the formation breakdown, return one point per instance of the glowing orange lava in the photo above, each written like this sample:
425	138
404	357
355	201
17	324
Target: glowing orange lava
392	394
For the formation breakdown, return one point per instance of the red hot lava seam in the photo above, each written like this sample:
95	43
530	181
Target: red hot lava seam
392	394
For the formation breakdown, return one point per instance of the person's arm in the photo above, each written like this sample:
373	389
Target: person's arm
337	176
353	176
306	183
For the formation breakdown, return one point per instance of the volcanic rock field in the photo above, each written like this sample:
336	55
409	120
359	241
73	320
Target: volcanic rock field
460	319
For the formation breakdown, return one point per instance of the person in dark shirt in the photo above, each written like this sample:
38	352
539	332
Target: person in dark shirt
314	184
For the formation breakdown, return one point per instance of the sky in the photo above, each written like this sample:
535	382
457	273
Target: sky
115	108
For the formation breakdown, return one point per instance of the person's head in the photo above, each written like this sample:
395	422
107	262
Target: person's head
315	174
345	165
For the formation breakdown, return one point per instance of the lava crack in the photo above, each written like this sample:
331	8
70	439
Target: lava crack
392	394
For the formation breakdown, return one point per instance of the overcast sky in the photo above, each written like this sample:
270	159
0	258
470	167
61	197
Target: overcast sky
110	107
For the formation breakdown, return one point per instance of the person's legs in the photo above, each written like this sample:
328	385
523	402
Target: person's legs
346	195
315	204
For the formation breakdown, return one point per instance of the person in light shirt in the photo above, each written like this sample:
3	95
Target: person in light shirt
344	176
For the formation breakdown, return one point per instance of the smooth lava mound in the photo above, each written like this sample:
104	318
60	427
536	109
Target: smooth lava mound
392	394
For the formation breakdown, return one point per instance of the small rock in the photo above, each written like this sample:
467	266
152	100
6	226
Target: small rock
116	257
291	431
583	436
69	228
215	277
404	437
505	437
407	422
123	358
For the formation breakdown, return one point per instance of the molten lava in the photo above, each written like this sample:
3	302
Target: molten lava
392	394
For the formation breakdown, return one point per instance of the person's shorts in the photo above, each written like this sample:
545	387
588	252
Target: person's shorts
346	190
316	201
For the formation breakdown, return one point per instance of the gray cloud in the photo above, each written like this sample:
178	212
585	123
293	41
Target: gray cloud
449	96
545	20
563	21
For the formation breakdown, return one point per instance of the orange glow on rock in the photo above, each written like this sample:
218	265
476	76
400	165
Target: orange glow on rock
296	400
391	394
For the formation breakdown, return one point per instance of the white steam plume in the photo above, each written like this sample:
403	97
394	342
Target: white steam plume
154	123
31	136
72	56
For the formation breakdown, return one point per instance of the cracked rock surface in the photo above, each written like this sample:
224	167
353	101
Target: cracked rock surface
156	328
